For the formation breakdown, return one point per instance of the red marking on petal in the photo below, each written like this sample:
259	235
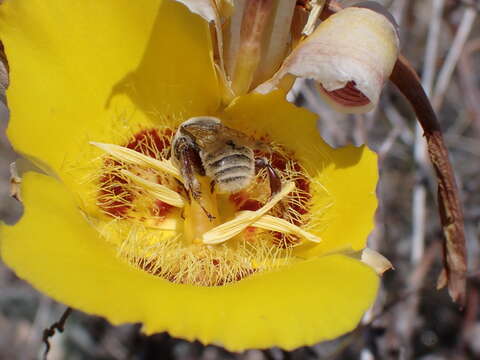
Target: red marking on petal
243	202
150	142
161	209
113	187
348	95
250	234
252	205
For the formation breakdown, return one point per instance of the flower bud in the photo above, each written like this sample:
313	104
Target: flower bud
350	55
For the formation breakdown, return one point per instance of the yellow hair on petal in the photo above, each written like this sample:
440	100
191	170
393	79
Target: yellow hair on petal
167	256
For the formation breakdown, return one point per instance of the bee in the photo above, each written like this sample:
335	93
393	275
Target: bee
204	146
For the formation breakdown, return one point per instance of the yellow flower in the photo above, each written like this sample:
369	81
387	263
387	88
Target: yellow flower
109	231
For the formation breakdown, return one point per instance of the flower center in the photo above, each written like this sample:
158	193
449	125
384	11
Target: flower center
159	227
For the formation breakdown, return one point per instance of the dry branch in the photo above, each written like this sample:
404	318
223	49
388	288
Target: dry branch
56	326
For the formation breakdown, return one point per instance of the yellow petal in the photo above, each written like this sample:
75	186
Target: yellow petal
345	179
298	305
78	68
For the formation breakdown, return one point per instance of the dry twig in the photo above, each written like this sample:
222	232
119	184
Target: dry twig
468	83
453	56
56	326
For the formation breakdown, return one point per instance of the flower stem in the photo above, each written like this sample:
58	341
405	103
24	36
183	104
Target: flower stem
451	214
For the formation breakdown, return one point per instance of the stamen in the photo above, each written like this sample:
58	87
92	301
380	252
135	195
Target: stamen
134	157
273	223
160	192
244	219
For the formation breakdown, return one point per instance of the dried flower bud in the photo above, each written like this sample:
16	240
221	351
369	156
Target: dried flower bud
350	55
376	261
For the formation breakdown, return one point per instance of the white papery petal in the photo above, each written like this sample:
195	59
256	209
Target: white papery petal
356	45
376	261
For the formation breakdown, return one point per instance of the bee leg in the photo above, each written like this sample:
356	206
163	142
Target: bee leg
212	186
192	165
273	177
210	216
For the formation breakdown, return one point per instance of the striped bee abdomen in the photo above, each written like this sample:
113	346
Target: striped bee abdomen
232	167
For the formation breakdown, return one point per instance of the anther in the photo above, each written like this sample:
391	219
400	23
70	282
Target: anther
134	157
273	223
160	192
244	219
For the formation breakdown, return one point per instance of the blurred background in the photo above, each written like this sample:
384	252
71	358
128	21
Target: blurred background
411	319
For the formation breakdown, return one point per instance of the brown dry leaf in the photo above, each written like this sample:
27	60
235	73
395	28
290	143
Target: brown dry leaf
451	213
